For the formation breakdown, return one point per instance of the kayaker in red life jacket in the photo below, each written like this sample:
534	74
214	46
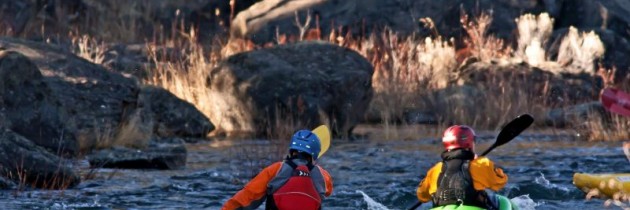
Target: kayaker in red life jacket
295	183
461	177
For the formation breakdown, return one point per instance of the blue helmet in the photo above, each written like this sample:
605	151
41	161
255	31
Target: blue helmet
306	141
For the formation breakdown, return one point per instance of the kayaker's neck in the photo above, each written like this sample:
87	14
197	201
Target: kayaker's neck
464	154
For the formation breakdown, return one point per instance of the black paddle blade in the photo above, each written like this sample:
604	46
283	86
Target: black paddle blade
514	128
511	130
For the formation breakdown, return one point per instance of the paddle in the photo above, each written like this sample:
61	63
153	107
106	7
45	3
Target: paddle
616	101
509	131
323	134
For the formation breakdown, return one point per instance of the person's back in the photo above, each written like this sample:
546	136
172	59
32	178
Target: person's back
461	177
297	180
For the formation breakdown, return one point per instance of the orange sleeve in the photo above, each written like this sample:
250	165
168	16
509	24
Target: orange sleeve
328	180
254	190
486	175
428	185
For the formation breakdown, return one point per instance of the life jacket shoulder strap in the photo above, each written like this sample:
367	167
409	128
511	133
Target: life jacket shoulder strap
466	171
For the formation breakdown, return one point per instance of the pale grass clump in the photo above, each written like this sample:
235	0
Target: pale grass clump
439	58
533	33
580	51
89	48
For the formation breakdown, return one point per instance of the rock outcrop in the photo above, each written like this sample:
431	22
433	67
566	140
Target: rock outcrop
24	162
304	85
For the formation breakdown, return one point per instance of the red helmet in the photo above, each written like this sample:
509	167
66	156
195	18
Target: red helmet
458	136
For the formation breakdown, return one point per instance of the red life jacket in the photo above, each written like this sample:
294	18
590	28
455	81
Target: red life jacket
299	191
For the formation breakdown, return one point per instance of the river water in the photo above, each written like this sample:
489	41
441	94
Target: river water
368	174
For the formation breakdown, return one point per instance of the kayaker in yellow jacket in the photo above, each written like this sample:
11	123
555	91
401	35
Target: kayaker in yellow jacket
461	177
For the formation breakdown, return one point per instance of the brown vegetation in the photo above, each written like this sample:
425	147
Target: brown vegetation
408	70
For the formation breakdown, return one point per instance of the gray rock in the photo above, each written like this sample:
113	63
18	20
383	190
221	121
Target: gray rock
165	154
553	89
173	116
103	107
361	17
306	84
24	162
29	106
97	101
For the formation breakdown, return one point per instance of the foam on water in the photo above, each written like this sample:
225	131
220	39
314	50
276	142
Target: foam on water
372	204
541	180
524	202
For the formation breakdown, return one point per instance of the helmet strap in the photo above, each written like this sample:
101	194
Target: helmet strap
300	155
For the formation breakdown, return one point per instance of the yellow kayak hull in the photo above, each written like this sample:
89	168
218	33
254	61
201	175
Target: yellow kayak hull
603	185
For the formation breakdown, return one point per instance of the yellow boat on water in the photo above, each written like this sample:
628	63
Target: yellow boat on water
609	185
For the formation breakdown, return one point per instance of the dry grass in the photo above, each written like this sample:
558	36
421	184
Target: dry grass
89	48
534	33
134	133
482	45
185	77
408	70
614	129
580	51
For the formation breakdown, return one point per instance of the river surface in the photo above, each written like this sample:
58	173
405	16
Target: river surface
368	174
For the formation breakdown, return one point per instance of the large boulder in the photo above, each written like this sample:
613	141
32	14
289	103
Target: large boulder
97	100
105	107
302	84
551	85
29	106
361	17
164	154
24	162
173	116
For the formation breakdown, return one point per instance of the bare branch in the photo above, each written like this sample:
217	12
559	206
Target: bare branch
255	17
307	23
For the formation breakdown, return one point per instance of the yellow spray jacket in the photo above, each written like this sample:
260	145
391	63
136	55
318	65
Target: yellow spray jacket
482	171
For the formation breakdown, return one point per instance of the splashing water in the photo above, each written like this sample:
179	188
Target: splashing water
541	180
524	202
372	204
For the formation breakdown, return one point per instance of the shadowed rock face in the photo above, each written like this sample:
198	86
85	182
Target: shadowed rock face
60	90
173	116
305	84
29	106
23	161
